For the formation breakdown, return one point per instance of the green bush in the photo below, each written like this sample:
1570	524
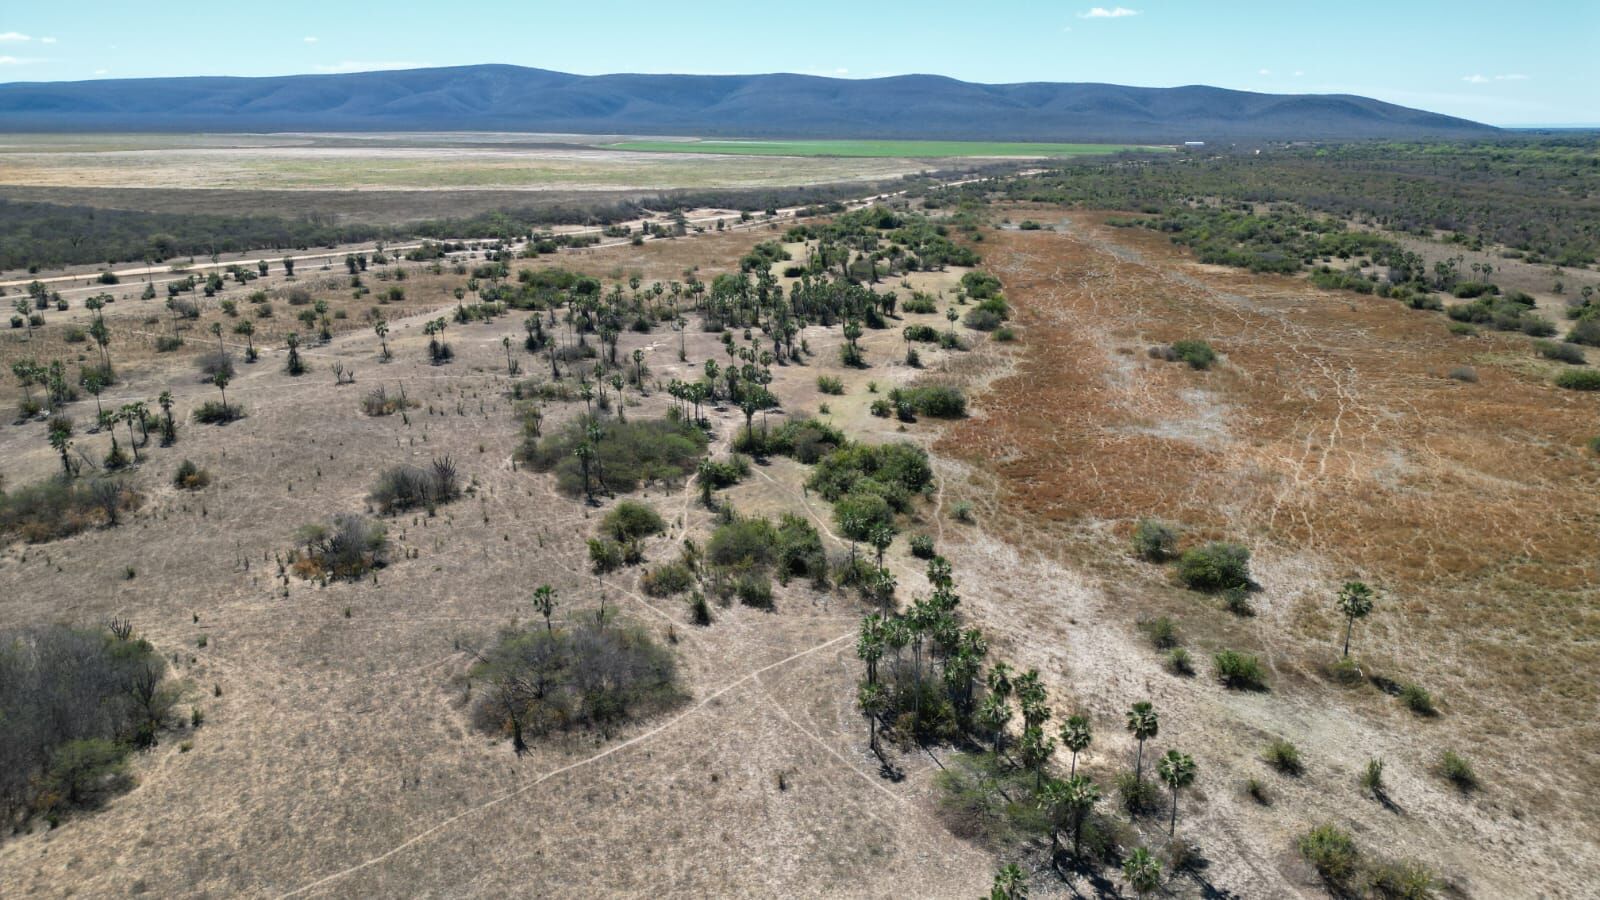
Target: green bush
1561	351
1458	771
894	471
1240	671
215	412
1154	541
1404	880
921	546
754	589
591	675
1179	661
1417	699
1332	852
1579	380
605	555
668	579
1198	354
828	384
629	453
939	401
190	477
1137	795
980	319
400	488
1285	757
1163	633
630	520
1215	566
53	508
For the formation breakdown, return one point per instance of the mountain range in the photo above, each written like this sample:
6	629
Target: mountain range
515	98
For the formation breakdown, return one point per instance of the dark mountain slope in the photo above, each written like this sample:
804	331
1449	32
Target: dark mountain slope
512	98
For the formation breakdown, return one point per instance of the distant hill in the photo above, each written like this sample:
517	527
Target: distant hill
513	98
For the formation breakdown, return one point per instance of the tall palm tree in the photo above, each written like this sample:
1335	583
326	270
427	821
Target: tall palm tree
1076	736
993	716
1036	748
869	645
1143	871
544	600
61	442
1178	771
1355	601
1082	795
1055	800
1143	724
873	701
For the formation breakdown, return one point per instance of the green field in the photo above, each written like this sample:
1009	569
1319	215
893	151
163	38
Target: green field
901	149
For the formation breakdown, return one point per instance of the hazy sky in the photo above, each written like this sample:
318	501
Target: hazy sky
1533	62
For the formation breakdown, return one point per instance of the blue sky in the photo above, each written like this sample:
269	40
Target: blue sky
1507	64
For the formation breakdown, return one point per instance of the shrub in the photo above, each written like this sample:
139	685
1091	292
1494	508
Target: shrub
1240	671
1579	380
921	546
351	548
1560	351
1332	852
400	488
1005	335
667	579
167	343
1462	329
1237	601
1372	777
1179	662
605	555
1163	633
1418	700
593	675
215	363
75	702
1154	541
722	473
215	412
1465	374
1198	354
630	520
962	512
1345	671
981	319
190	477
379	402
51	509
939	401
1258	791
629	453
1215	566
1136	794
830	385
754	589
1404	880
1285	757
1458	771
893	471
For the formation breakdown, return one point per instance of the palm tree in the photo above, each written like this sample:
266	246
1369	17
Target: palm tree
1056	802
511	367
1082	795
61	442
1143	724
993	715
169	429
1143	871
1031	697
873	701
381	329
1036	748
1009	884
584	453
1178	771
1355	601
221	380
869	645
544	600
638	368
1076	736
248	329
881	536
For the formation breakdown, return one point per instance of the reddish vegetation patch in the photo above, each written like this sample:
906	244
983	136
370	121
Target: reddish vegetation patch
1330	432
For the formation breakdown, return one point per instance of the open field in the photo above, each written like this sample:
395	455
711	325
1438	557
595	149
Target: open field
337	756
881	149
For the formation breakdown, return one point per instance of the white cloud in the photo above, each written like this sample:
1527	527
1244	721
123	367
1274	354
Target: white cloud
13	37
1299	72
1512	77
102	71
1264	72
1485	79
309	39
15	61
47	40
359	66
1115	12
